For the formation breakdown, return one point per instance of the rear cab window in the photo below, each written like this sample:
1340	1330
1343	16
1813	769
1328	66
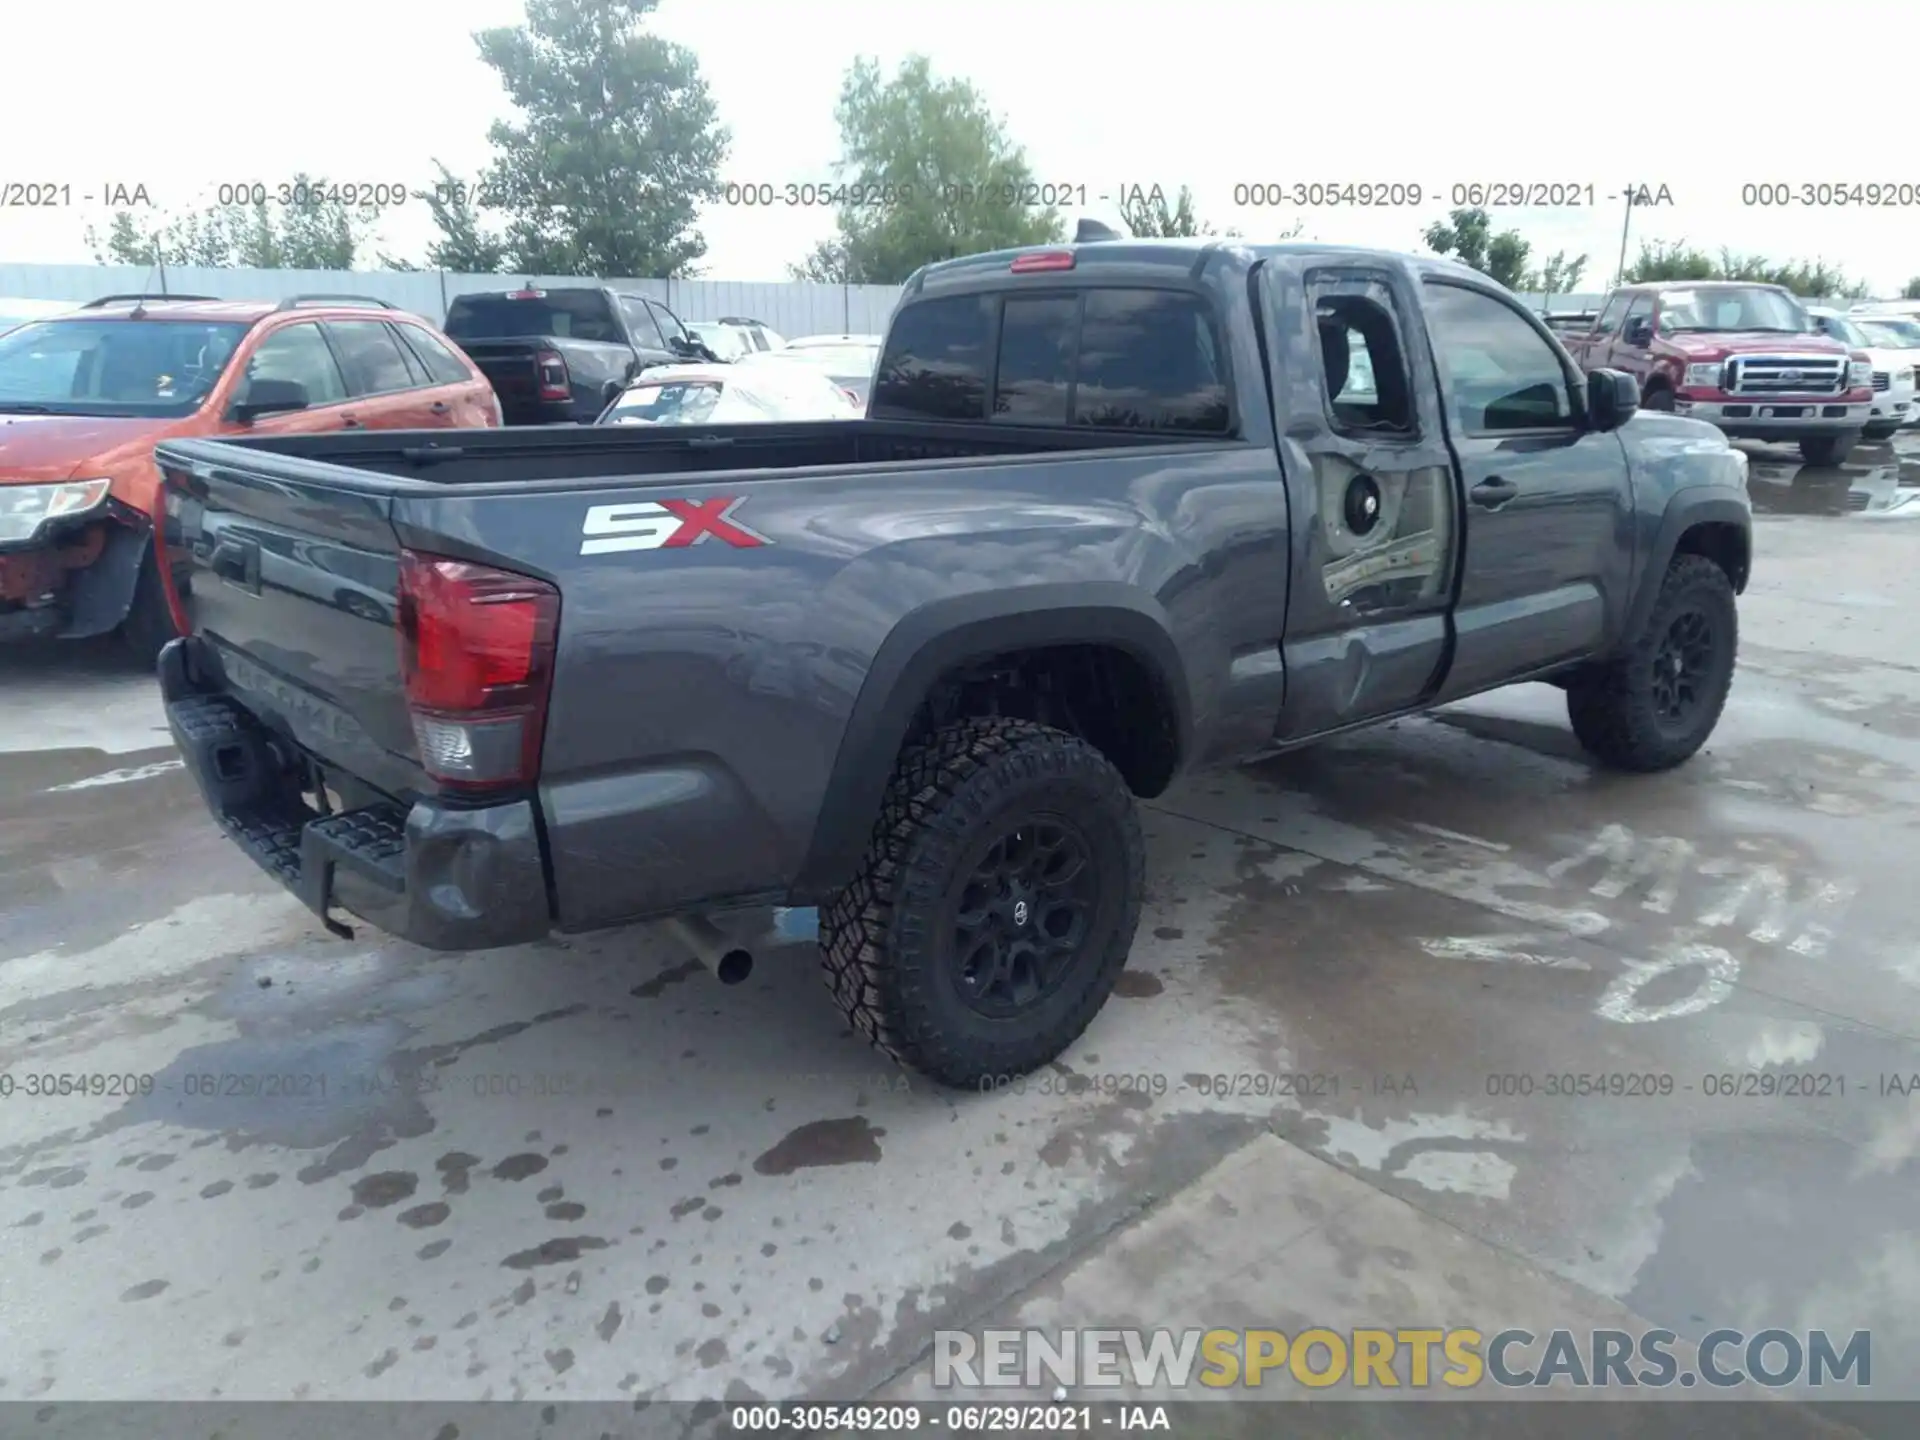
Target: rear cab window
1105	357
533	314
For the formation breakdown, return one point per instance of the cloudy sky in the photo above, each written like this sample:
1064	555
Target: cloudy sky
1214	94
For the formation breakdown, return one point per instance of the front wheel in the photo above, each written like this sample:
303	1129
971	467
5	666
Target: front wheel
1825	450
995	905
1656	702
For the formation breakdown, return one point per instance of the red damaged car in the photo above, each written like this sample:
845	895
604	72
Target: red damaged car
1743	356
84	396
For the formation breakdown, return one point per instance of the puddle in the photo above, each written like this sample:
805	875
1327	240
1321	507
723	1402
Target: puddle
302	1091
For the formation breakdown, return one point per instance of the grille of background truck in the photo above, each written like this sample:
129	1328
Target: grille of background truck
1786	375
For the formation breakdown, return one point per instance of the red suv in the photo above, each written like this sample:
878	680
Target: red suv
84	396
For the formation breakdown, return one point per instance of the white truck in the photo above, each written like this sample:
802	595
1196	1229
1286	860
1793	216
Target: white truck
1893	377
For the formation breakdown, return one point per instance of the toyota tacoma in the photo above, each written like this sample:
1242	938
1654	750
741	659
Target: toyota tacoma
1115	514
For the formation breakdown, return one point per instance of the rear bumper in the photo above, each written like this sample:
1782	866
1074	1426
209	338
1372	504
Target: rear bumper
1785	419
442	877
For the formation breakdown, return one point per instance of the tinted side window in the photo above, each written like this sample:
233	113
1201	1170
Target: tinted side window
1609	320
1149	360
934	366
640	322
1500	373
668	322
442	364
1641	309
416	371
1035	374
299	353
370	356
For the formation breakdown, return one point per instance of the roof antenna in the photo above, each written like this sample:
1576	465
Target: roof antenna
1089	230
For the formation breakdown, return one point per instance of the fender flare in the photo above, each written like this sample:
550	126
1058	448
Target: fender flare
943	635
1696	506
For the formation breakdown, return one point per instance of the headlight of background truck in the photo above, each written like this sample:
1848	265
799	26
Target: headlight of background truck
1705	377
1859	374
25	509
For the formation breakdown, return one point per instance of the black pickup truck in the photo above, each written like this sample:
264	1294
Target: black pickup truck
1115	514
559	355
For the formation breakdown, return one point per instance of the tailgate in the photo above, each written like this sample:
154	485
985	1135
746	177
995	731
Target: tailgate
293	584
509	367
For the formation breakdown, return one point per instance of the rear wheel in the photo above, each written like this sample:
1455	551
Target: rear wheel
1653	705
1825	450
996	903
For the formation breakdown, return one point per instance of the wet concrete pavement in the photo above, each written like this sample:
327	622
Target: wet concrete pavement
585	1170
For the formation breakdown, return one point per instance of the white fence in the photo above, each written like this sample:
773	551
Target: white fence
792	307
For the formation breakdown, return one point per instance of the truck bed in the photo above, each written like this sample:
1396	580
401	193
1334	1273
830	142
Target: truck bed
562	454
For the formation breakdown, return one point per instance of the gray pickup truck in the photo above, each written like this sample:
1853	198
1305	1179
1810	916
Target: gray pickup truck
1115	514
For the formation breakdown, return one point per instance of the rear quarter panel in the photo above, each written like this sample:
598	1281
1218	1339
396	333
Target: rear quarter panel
702	693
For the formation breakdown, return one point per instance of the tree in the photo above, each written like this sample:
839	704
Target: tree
312	232
1557	275
828	263
1467	235
464	245
1660	260
930	173
1148	216
1912	292
617	146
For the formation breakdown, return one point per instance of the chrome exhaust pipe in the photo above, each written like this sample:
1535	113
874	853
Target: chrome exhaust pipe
712	947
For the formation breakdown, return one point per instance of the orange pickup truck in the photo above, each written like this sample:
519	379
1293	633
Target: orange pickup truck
84	396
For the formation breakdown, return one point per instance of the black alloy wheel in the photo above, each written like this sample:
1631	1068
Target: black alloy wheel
1021	914
1682	665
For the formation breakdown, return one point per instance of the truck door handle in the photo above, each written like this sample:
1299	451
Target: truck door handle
1493	492
439	407
349	422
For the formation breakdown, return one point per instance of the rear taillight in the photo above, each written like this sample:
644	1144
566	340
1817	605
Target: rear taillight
476	655
853	399
555	382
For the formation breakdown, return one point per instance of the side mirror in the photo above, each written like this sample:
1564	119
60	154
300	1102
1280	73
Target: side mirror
683	345
1612	397
268	397
1639	331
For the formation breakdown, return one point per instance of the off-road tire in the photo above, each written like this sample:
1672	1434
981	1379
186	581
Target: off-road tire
149	623
1612	705
883	940
1825	451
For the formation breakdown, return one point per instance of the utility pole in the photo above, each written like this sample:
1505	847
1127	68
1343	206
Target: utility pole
1626	223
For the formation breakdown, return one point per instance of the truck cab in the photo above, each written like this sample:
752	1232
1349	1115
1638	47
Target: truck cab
1743	356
